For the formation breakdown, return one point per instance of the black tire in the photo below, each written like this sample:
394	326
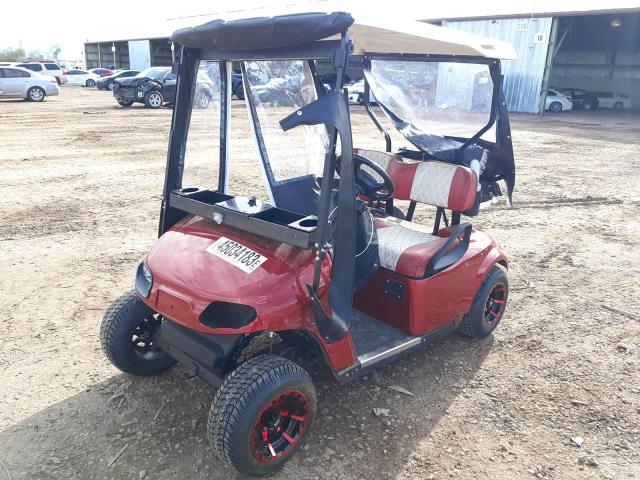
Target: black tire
239	91
123	321
124	104
555	107
90	83
618	106
36	94
202	100
153	99
245	399
488	305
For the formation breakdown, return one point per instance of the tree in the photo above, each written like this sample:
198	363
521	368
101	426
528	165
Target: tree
36	56
55	51
13	55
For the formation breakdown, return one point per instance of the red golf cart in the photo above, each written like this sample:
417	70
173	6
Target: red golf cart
330	263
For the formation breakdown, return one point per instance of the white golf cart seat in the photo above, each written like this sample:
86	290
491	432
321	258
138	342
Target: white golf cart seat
406	247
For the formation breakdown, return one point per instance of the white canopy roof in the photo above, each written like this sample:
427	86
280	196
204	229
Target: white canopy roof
377	35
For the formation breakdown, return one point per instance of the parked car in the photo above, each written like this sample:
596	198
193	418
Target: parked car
356	93
557	102
18	82
581	99
330	79
101	72
82	78
156	86
617	101
107	83
46	68
237	86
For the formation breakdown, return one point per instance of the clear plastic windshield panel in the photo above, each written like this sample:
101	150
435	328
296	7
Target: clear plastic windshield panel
431	102
292	161
201	166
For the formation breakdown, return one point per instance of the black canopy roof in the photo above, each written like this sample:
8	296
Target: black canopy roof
264	32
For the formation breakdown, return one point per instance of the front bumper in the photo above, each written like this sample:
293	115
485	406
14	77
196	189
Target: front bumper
52	89
209	356
125	94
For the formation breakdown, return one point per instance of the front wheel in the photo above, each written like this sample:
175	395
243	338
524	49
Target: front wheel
618	106
36	94
153	100
488	305
261	414
90	83
127	337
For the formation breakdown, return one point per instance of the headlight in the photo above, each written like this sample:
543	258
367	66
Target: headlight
144	280
147	273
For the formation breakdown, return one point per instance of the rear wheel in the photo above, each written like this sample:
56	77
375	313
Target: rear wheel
555	107
488	305
202	100
90	83
617	106
127	337
239	91
153	100
261	414
36	94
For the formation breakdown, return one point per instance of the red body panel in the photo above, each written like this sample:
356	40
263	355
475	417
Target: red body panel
187	278
429	303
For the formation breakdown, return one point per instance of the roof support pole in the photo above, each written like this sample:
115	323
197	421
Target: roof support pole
225	120
548	66
188	69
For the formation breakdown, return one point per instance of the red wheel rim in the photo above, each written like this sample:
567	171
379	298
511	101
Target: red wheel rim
280	426
494	306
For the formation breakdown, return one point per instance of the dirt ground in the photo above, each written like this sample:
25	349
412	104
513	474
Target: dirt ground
79	202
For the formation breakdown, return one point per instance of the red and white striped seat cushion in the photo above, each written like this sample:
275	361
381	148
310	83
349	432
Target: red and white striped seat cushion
406	247
434	183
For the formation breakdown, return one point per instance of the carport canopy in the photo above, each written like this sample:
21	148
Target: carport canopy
369	33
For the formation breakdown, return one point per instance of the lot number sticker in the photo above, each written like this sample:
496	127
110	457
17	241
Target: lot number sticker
236	254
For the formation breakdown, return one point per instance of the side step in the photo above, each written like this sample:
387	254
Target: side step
378	343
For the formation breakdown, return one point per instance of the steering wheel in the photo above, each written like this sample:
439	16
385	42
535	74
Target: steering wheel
366	183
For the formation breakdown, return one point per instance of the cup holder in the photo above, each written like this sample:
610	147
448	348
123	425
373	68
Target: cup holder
308	224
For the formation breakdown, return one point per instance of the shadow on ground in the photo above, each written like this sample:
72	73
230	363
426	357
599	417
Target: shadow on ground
158	424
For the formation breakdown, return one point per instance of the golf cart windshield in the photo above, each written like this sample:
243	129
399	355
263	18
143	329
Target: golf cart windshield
434	104
294	159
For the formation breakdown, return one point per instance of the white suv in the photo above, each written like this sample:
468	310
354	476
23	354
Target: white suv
51	69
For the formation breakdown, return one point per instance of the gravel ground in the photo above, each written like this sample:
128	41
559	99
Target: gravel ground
80	196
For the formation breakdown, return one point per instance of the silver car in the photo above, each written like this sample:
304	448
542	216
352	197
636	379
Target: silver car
17	82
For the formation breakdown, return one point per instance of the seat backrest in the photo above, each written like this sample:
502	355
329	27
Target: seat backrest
427	181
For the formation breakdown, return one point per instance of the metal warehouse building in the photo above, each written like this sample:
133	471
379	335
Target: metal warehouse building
590	45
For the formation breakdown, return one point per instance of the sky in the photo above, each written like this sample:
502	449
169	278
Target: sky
70	23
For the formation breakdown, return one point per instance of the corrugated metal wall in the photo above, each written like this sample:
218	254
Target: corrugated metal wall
530	38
